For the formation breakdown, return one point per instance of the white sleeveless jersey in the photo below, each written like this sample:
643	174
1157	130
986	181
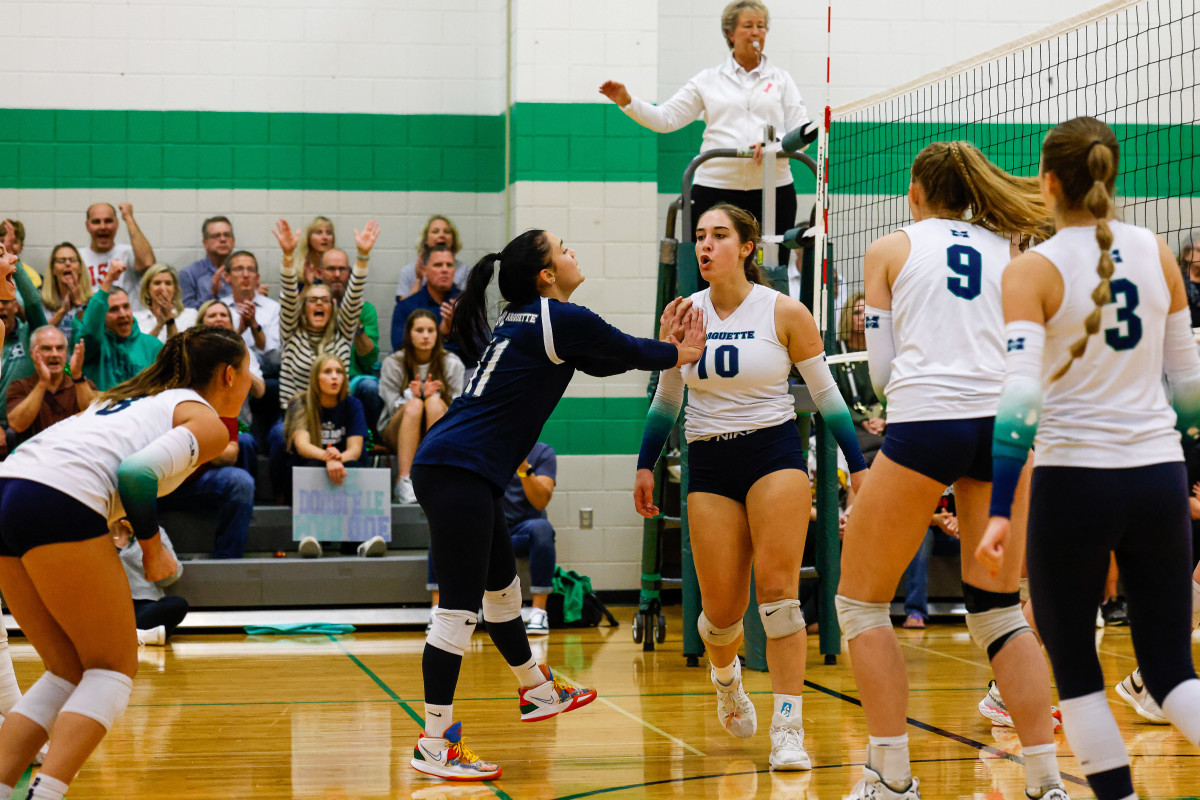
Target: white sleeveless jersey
1110	410
80	455
948	323
740	382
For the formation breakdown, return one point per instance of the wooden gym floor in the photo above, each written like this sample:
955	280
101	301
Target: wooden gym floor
335	718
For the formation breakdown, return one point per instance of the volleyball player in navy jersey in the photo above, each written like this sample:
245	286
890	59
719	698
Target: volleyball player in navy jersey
468	457
936	352
1108	469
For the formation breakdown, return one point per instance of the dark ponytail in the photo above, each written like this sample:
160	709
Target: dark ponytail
519	263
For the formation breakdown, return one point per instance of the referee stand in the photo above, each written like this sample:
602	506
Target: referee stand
679	275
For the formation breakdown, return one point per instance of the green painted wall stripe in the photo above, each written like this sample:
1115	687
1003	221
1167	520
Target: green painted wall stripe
72	149
76	149
874	158
596	426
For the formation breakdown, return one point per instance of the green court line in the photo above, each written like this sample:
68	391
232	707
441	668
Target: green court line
22	787
496	790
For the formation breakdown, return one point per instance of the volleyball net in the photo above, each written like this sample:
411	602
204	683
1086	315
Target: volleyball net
1130	64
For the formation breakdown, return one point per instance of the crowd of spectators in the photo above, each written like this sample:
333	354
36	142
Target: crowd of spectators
96	315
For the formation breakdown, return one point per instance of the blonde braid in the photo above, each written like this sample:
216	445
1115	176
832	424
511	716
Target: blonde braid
1099	204
966	175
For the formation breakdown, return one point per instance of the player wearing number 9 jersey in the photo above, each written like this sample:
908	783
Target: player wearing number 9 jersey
936	354
469	456
1096	316
59	572
748	491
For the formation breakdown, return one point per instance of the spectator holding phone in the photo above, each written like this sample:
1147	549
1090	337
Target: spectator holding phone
417	383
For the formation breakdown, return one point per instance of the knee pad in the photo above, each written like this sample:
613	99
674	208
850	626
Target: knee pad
781	618
101	695
44	700
504	605
858	616
718	637
993	618
451	630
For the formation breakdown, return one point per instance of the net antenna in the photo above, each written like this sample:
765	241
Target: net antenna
1130	63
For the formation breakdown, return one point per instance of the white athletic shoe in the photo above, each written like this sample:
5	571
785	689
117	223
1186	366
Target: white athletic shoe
449	757
309	548
992	706
787	744
404	494
734	708
872	787
1134	692
539	623
373	547
1053	793
156	636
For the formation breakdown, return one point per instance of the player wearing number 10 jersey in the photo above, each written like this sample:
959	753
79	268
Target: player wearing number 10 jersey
470	454
935	349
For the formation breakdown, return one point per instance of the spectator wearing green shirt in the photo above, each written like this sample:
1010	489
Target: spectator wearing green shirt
335	273
114	348
17	362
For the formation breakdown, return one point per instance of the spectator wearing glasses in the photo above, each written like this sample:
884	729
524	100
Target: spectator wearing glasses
255	316
207	278
65	292
335	273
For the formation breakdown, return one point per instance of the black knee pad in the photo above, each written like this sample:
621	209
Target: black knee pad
993	618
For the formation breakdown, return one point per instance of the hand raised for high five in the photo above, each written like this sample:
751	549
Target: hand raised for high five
690	340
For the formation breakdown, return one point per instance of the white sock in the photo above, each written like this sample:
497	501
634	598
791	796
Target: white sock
1195	604
46	788
1093	733
529	674
10	691
1041	767
727	673
788	710
1182	707
5	792
437	719
888	755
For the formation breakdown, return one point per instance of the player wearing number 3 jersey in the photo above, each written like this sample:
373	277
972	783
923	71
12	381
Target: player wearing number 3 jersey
468	457
748	491
935	349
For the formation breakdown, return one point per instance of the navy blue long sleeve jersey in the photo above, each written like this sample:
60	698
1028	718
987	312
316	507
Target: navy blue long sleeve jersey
534	351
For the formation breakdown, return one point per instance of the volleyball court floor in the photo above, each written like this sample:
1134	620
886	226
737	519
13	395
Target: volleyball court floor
335	718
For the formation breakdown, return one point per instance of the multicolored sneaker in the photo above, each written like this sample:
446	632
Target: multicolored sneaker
1134	692
992	706
555	696
734	707
450	758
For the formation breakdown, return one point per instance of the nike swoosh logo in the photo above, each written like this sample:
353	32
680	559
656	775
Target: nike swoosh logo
772	611
434	713
1139	688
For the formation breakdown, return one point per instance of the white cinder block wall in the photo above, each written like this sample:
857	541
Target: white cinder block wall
455	63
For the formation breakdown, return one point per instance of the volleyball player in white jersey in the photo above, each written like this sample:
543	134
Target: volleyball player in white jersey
748	491
59	573
1108	469
936	353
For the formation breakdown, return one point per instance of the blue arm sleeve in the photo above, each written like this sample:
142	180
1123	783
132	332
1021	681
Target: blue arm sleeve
832	407
1019	411
1181	363
664	410
581	334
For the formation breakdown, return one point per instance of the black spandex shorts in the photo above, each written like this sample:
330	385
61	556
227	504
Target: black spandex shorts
33	514
730	464
943	449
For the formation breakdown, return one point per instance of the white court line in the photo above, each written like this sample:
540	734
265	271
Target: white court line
1117	655
945	655
639	720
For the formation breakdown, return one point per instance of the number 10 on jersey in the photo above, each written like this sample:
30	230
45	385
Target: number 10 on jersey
725	362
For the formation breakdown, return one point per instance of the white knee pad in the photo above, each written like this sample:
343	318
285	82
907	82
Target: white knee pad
504	605
781	618
718	637
994	628
859	616
44	700
451	630
101	695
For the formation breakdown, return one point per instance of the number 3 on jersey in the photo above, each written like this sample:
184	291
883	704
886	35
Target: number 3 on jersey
1128	331
725	362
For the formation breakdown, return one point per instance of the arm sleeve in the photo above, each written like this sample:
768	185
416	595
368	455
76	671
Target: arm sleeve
35	313
1181	362
833	409
1019	411
881	349
171	456
684	107
577	333
664	410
